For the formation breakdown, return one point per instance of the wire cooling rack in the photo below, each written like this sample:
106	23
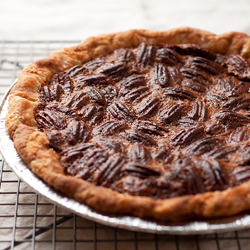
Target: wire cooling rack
29	221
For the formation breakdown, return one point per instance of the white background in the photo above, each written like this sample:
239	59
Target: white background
79	19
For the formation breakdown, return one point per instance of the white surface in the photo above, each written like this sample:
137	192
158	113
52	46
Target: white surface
79	19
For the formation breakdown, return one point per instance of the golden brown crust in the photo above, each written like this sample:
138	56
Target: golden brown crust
33	146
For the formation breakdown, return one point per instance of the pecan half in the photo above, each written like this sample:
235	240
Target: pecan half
109	128
132	81
160	76
97	96
145	54
77	100
168	56
172	113
137	136
139	170
185	137
121	111
205	65
63	80
148	107
232	117
180	94
115	71
139	153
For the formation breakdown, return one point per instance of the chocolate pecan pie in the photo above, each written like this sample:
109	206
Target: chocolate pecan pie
150	124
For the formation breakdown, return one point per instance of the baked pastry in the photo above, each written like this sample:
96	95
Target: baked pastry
149	124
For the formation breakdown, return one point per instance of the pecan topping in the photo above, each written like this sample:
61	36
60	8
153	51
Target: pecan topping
108	171
56	140
187	122
70	113
123	55
93	79
196	75
97	96
174	75
114	71
163	154
63	80
232	117
185	137
137	136
172	113
112	144
51	93
109	128
194	50
238	66
244	155
199	111
193	85
96	63
169	56
148	107
91	113
241	174
110	93
76	132
240	134
50	119
151	128
199	176
137	94
204	145
133	82
180	94
72	153
76	71
129	119
139	153
88	164
160	76
145	54
206	65
222	152
140	170
237	103
77	100
121	111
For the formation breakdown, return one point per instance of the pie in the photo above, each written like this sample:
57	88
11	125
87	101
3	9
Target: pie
149	124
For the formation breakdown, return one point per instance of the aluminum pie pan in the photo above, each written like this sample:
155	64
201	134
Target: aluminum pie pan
13	159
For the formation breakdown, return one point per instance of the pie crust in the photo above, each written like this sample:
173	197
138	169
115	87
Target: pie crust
33	145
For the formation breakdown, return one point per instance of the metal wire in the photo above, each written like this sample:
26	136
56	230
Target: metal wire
29	221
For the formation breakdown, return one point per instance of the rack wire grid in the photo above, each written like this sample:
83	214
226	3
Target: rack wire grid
29	221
